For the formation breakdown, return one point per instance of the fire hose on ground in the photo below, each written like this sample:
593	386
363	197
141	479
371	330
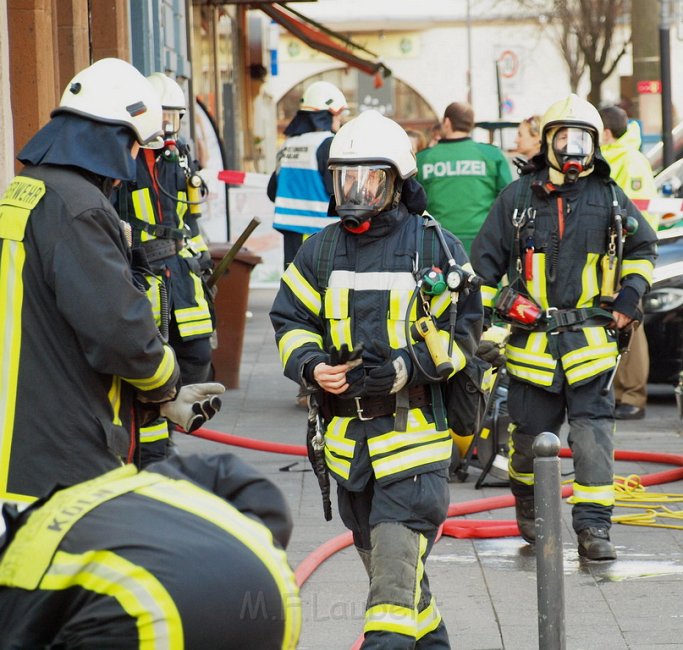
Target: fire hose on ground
627	489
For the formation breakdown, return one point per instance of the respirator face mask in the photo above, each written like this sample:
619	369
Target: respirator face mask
573	149
361	192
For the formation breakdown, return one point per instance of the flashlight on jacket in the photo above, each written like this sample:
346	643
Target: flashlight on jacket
513	306
424	328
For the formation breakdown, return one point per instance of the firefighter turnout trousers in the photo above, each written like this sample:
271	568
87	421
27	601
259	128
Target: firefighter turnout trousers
394	527
591	440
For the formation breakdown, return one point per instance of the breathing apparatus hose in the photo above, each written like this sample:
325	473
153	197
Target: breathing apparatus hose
204	187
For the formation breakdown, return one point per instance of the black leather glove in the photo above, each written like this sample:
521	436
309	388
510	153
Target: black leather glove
490	352
391	376
626	303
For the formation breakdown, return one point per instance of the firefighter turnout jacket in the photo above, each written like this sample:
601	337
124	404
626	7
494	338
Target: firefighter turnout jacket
80	339
362	299
167	233
556	255
186	554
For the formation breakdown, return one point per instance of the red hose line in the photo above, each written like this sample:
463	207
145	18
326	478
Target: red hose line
250	443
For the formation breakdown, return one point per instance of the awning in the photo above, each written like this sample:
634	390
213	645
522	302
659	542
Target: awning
326	40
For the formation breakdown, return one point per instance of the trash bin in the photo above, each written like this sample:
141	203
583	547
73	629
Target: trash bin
231	313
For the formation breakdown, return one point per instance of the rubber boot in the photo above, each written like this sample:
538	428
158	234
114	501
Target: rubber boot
526	518
594	544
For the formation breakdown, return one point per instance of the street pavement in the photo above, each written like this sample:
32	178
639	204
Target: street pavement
485	588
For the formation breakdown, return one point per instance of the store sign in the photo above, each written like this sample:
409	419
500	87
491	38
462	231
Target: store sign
649	87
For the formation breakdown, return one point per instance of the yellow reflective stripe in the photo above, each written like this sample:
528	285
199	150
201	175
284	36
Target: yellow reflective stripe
114	396
439	304
338	466
488	295
154	432
336	303
589	281
163	373
537	285
11	299
595	335
591	369
335	437
419	570
600	494
428	619
644	268
193	321
588	353
391	618
181	208
23	192
199	243
458	359
29	555
526	479
340	332
537	342
13	222
143	209
154	296
302	289
531	357
398	439
253	535
186	330
540	377
295	339
135	589
411	458
188	314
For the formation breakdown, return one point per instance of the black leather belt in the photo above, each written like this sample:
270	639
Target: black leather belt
367	408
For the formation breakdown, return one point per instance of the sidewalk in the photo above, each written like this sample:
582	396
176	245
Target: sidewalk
485	588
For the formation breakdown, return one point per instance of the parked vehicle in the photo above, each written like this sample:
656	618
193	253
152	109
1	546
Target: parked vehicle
663	308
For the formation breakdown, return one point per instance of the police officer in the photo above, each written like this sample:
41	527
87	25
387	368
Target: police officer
169	254
386	441
80	342
185	554
556	234
301	184
462	177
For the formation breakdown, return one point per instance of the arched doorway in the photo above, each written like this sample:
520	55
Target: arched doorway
395	99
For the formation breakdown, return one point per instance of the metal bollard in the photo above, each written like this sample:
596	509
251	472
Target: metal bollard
549	566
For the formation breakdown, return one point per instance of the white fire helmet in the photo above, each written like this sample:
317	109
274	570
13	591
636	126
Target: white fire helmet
172	99
367	157
323	96
570	133
113	91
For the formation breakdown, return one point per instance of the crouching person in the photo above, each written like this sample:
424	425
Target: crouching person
184	554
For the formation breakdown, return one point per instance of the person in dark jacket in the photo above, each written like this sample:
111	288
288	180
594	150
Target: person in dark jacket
170	256
187	553
340	320
575	281
80	343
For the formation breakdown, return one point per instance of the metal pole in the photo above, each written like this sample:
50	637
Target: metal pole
469	55
549	567
665	64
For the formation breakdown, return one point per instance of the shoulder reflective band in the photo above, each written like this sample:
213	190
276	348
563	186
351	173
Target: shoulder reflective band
29	554
22	195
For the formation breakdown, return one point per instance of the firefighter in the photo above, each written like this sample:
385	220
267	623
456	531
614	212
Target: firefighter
558	233
386	441
80	341
169	254
301	184
185	554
